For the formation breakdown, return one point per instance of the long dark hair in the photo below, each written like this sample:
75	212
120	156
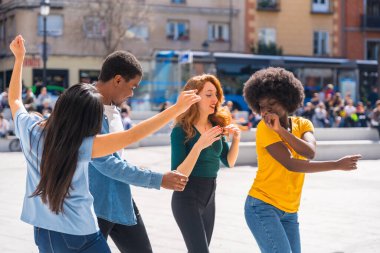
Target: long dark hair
77	114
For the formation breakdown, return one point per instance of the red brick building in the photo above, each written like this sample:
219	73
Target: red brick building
360	29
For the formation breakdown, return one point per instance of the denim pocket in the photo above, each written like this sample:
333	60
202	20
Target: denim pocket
74	242
258	202
36	235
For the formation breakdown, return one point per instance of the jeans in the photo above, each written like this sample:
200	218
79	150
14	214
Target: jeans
49	241
275	231
194	212
128	239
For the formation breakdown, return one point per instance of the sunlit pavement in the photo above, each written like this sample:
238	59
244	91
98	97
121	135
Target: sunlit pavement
339	210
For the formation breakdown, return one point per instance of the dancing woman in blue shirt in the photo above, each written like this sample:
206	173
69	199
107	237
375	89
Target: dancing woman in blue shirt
58	150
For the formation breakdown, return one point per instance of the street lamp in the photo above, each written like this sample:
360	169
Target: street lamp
44	11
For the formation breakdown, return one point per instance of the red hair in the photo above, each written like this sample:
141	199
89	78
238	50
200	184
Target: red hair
221	116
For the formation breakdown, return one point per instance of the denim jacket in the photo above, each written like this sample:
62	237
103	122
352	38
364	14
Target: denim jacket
110	177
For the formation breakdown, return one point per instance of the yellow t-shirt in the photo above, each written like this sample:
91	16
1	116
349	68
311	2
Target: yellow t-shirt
274	184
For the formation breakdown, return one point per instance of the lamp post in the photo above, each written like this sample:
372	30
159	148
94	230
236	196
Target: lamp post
44	11
230	16
210	58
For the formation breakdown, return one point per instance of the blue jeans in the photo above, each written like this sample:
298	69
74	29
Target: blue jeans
275	231
49	241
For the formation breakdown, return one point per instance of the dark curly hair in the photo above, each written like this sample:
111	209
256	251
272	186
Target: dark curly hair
275	83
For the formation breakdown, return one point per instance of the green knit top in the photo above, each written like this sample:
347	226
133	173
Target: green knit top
208	162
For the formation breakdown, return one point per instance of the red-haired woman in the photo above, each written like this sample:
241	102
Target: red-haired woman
198	146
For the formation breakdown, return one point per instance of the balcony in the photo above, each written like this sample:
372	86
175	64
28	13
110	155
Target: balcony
268	5
322	8
370	22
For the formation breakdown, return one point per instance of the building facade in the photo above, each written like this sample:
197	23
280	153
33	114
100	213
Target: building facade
297	27
81	33
360	29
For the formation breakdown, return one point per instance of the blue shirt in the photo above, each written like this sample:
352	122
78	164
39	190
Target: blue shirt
78	216
110	177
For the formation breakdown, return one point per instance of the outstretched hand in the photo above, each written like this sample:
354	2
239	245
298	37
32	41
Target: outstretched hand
174	180
348	162
186	99
17	47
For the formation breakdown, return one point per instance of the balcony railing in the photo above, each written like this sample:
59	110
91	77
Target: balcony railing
326	8
268	5
371	22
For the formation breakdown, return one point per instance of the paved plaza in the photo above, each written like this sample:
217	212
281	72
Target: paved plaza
339	210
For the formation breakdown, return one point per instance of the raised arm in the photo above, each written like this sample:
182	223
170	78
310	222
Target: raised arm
280	152
234	149
305	146
109	143
15	86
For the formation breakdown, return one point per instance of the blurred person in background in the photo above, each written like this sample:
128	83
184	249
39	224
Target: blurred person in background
375	117
4	126
43	96
29	100
361	112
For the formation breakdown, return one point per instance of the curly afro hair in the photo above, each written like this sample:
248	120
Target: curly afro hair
274	83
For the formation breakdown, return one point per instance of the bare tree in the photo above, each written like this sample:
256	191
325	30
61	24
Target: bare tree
118	18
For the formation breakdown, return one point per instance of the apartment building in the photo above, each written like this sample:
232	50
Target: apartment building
360	29
297	27
80	33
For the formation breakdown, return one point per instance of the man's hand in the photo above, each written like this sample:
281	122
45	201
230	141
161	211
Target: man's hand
186	99
174	180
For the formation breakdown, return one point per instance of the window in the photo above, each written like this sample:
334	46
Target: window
88	76
55	77
54	25
267	36
218	32
177	30
139	32
94	27
320	6
373	8
314	79
267	4
321	43
178	1
373	48
2	30
10	28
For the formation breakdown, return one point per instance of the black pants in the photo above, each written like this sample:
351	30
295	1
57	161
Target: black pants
194	212
128	239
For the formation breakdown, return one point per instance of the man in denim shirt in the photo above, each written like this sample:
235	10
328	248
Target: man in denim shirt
117	213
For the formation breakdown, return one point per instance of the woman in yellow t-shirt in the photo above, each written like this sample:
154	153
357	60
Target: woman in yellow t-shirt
284	146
